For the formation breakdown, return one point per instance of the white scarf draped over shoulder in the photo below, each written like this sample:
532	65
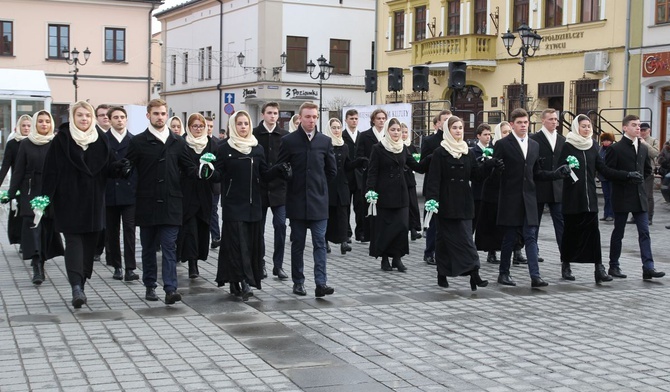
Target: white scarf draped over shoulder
239	143
454	147
337	141
390	145
578	141
34	136
83	137
198	144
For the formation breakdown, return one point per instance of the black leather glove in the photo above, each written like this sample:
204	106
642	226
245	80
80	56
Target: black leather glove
286	170
635	177
122	168
562	171
489	163
361	162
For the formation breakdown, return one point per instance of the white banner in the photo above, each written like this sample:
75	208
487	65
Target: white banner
401	111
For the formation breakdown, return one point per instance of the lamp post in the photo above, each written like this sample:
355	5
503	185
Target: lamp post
76	62
530	40
325	70
259	70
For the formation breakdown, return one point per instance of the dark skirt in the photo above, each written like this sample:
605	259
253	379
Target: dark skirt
42	242
338	224
581	238
488	235
14	224
240	255
388	232
414	214
193	240
455	252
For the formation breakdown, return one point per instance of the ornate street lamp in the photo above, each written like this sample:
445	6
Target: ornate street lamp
325	70
76	62
530	40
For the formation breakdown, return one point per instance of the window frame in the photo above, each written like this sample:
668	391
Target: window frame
453	18
336	53
557	7
398	29
59	38
594	10
10	42
296	54
185	67
114	58
208	59
201	64
481	15
662	4
173	66
420	21
520	10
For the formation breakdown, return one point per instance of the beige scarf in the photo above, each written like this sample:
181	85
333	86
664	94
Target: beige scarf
390	145
197	143
337	141
239	143
454	147
17	133
180	123
407	142
83	137
578	141
34	136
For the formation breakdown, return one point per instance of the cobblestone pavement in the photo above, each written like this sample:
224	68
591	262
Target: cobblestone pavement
381	331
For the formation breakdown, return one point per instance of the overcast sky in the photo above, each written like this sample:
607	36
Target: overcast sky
156	27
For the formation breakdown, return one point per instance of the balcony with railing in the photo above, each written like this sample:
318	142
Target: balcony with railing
454	48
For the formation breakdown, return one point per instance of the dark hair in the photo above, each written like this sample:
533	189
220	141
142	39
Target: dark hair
154	103
452	120
209	118
483	127
103	106
375	113
606	137
269	104
517	113
645	125
351	112
629	118
115	109
437	118
393	121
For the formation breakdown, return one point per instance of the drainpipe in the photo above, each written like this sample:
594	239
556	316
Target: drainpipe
374	50
626	52
153	7
219	86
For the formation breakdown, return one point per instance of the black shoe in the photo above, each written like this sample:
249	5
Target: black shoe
492	258
667	226
630	221
415	235
604	218
299	289
216	243
647	274
78	297
328	248
344	248
385	264
476	280
246	291
323	290
442	281
609	219
430	260
650	223
151	294
506	280
193	269
279	273
265	272
397	263
38	273
519	258
130	276
349	240
235	289
566	271
540	259
118	274
96	258
171	297
538	282
601	275
362	239
616	272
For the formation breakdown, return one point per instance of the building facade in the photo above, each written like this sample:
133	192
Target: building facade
220	57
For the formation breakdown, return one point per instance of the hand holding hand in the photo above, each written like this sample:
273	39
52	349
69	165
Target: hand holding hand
287	171
563	171
635	177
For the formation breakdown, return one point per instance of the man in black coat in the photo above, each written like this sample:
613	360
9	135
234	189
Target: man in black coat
356	197
273	192
517	203
312	160
214	222
428	145
483	141
630	154
550	193
120	202
102	122
155	154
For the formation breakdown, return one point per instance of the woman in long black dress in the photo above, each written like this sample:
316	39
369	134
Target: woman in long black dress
581	237
9	159
386	178
193	238
42	242
448	182
414	214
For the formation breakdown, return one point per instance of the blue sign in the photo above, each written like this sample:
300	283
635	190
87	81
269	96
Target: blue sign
229	109
229	98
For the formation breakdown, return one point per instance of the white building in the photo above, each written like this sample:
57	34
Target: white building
203	40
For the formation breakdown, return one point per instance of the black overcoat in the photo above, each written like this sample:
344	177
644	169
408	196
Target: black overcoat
11	151
409	173
364	143
159	196
273	193
549	191
627	196
338	187
428	145
240	183
313	165
197	200
477	185
27	174
120	191
351	145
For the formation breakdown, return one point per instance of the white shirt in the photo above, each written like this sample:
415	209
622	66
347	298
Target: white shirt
119	136
160	135
551	136
310	135
481	146
353	134
379	135
523	142
635	141
269	130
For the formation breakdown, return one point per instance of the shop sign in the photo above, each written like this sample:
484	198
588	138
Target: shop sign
559	40
656	64
300	93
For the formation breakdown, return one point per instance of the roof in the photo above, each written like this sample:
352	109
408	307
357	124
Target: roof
24	82
177	7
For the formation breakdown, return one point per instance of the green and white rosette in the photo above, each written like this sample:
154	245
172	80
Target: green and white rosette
431	206
416	156
573	163
39	204
206	160
371	197
488	153
12	205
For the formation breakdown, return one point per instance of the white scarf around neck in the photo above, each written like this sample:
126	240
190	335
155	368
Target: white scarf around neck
198	144
34	136
119	136
16	135
337	141
241	144
390	145
83	137
454	147
578	141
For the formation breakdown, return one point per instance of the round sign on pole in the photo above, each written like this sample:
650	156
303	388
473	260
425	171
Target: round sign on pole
229	109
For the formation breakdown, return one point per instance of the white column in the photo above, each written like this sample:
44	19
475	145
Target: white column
390	35
427	22
574	12
507	14
410	37
442	22
602	9
406	41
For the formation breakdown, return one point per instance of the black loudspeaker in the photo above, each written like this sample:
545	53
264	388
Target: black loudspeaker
420	78
395	79
370	80
457	74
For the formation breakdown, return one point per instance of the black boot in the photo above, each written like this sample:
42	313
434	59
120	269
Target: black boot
442	281
601	275
397	263
193	269
78	297
476	280
415	235
519	258
492	258
38	272
246	291
385	264
344	248
566	271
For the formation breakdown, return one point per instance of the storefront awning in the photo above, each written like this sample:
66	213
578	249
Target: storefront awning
23	82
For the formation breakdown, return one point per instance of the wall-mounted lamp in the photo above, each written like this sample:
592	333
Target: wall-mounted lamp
650	89
260	69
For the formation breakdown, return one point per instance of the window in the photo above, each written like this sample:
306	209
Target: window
296	54
662	10
480	16
590	10
185	80
7	45
420	23
339	56
115	45
201	64
454	17
209	62
398	30
553	13
520	14
173	68
59	40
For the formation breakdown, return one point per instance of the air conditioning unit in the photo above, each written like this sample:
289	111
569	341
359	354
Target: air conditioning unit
595	62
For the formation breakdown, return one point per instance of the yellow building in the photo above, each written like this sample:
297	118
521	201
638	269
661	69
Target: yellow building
578	67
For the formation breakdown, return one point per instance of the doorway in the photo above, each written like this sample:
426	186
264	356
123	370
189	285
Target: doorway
665	115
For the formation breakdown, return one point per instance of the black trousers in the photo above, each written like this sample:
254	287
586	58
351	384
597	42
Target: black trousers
79	251
115	216
414	214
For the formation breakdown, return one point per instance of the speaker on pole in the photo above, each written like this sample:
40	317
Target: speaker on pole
395	79
370	80
420	78
457	74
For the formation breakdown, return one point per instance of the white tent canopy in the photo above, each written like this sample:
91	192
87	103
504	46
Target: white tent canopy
23	83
